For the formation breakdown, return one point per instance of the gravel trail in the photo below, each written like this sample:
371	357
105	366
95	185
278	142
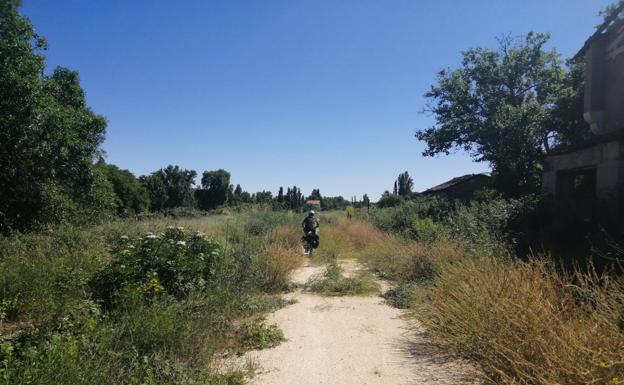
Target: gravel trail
351	341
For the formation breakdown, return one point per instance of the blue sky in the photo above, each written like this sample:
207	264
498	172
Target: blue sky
313	93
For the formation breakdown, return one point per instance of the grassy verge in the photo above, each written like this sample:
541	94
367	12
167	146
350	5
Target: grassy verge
522	322
141	302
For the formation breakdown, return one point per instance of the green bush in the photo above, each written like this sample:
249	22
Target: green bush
175	262
43	277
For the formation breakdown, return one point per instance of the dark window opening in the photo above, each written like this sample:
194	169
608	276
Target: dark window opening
578	188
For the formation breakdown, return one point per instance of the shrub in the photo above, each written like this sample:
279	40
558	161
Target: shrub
275	264
401	296
43	278
406	261
257	335
175	262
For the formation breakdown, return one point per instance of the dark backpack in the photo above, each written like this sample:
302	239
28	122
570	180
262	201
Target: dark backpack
309	224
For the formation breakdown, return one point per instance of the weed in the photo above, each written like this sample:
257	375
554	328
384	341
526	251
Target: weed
527	323
258	335
332	282
275	264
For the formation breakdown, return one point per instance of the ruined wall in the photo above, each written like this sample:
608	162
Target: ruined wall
606	158
604	85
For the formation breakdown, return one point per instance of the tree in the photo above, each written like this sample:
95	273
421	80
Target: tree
215	189
405	184
156	189
500	107
131	196
49	138
366	201
263	197
170	187
388	200
315	195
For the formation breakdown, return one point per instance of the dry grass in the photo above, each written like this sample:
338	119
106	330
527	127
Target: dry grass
358	234
285	236
525	323
399	260
275	264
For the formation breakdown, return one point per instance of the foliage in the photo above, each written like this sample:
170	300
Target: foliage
43	277
509	107
215	189
404	184
176	262
262	197
257	335
48	136
334	203
611	8
401	296
388	200
163	328
131	196
366	201
170	187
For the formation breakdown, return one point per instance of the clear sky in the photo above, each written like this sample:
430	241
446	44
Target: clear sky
313	93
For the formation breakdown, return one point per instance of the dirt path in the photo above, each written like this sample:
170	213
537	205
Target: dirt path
350	340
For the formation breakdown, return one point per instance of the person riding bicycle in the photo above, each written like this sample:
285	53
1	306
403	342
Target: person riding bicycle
310	223
310	238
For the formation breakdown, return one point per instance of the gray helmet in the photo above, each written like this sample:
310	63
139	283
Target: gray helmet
311	212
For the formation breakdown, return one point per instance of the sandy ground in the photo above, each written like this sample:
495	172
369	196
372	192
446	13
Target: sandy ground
351	340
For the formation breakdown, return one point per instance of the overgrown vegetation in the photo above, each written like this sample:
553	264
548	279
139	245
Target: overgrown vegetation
531	321
140	302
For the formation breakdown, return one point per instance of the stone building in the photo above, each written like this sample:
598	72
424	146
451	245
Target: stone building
594	171
314	204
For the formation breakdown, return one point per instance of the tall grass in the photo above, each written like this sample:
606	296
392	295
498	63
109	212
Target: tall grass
527	323
166	312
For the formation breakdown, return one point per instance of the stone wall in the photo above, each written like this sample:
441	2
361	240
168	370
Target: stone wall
606	158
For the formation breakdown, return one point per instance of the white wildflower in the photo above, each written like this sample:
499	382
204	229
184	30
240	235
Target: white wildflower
151	236
124	237
181	243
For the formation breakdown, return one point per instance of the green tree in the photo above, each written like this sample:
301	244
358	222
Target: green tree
215	189
131	195
388	200
156	189
404	184
49	138
366	201
170	187
263	197
501	106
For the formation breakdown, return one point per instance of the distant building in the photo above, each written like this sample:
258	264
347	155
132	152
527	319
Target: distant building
461	187
594	171
314	203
